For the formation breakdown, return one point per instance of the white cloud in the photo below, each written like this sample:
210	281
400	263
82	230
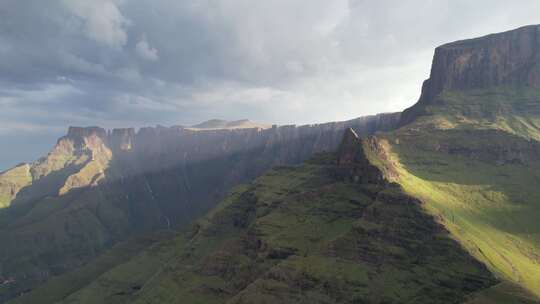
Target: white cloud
279	61
146	51
102	21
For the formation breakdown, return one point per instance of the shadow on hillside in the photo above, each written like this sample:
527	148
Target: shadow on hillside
28	196
509	182
50	235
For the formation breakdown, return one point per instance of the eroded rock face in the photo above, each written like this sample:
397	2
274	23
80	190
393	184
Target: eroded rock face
159	148
78	159
84	132
122	139
83	157
353	164
350	151
509	58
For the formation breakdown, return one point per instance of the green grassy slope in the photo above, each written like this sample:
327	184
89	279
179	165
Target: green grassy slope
298	235
473	159
84	275
504	293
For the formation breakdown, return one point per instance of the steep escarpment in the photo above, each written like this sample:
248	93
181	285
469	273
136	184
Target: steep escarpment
159	147
122	139
82	157
99	187
300	234
505	59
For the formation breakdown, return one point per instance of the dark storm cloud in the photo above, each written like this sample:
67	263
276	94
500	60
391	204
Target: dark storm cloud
140	62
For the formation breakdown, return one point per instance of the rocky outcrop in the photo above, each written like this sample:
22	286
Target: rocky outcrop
12	181
93	167
78	159
350	151
510	58
353	163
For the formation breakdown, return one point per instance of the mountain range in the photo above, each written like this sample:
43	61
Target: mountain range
438	204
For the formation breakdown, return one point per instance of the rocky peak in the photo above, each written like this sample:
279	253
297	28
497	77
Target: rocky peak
508	58
353	164
350	150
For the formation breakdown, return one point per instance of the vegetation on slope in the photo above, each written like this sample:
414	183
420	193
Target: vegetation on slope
473	159
308	234
47	236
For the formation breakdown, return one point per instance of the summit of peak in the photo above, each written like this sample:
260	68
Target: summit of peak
350	148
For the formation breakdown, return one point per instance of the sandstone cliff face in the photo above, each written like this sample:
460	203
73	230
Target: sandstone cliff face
510	58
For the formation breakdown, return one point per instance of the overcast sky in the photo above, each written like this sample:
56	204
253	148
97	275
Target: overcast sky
117	63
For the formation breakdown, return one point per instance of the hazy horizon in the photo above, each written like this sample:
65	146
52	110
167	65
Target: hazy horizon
115	63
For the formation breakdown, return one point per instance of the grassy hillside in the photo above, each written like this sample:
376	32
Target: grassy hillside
473	159
307	234
84	275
